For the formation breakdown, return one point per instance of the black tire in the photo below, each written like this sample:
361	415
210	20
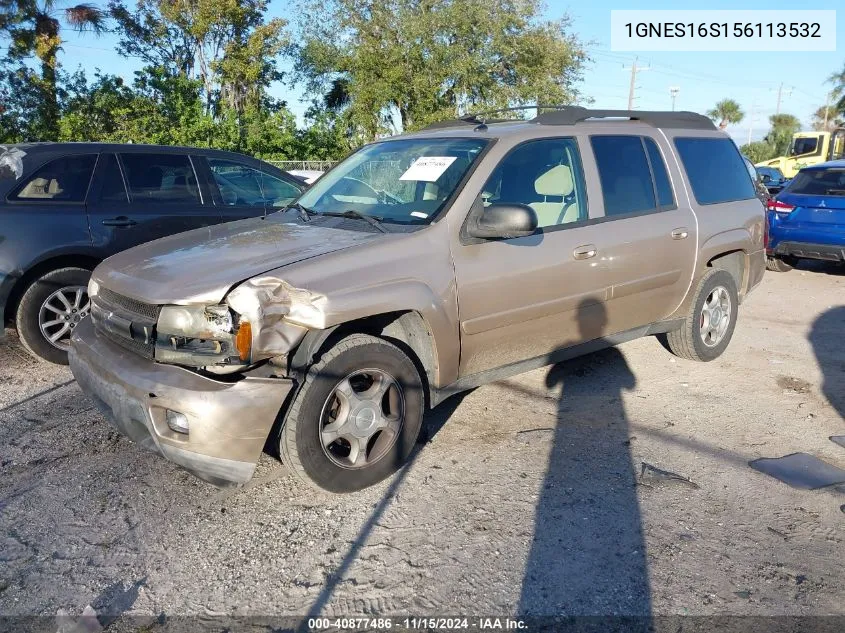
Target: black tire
29	308
780	265
300	444
687	341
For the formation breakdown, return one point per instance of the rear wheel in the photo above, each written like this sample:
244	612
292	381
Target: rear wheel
356	417
49	311
708	328
780	264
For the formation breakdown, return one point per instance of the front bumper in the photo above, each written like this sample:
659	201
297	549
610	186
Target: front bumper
229	421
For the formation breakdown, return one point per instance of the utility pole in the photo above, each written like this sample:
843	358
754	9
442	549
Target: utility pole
634	70
780	95
826	110
673	91
751	120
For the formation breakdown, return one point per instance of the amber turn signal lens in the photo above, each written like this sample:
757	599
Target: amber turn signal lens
243	340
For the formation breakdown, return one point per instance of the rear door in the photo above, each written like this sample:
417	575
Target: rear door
244	191
649	235
142	196
44	213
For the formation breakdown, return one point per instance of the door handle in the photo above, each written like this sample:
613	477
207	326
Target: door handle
680	233
121	220
585	252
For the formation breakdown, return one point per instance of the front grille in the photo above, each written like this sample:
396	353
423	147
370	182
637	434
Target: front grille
130	315
147	350
126	304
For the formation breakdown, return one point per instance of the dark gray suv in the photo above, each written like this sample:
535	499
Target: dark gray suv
65	207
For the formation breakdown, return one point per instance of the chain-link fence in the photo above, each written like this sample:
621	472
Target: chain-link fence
309	165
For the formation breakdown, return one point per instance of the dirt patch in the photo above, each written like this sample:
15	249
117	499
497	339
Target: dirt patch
790	383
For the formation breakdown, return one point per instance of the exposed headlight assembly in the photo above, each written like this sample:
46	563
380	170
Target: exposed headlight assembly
200	336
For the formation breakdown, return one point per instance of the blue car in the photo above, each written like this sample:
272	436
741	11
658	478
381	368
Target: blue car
807	219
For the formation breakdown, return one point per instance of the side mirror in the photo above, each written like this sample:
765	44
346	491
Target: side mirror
503	221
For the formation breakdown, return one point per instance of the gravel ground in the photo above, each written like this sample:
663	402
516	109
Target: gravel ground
527	497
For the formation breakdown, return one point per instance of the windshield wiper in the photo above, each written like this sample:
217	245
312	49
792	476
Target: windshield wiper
374	220
304	212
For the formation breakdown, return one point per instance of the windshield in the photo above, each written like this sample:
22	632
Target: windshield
819	182
406	181
803	145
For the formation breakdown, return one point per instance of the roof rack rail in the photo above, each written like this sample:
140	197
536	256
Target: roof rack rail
570	115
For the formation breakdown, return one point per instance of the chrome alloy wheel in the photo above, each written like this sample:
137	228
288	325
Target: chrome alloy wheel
715	316
61	312
362	418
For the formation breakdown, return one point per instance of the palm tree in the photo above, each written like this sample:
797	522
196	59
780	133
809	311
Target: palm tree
35	28
726	111
827	118
838	92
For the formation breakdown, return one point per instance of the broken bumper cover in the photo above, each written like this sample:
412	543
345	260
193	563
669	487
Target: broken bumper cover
228	421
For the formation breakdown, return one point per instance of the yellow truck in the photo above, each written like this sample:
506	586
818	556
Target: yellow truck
809	148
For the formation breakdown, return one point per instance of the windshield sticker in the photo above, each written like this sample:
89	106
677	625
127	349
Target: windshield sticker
428	168
11	161
419	214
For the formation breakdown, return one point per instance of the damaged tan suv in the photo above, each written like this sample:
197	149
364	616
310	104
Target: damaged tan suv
421	266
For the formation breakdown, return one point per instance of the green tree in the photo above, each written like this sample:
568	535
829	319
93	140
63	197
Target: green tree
780	135
837	79
725	112
758	151
827	118
404	63
226	45
35	29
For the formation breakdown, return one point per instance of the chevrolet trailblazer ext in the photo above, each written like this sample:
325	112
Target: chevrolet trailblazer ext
421	266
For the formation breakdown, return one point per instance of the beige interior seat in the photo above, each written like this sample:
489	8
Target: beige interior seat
556	182
41	188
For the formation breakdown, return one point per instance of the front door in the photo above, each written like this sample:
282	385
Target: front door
139	197
528	297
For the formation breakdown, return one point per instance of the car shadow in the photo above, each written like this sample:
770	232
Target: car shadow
821	267
588	555
827	336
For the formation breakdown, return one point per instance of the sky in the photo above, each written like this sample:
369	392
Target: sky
752	79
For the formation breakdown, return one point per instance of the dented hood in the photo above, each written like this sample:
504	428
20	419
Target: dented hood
203	264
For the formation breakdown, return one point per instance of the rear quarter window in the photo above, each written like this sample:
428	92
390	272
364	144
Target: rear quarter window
64	179
715	170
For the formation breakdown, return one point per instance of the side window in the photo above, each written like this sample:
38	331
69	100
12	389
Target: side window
715	170
242	185
278	192
547	176
63	179
114	189
665	197
160	178
238	184
624	173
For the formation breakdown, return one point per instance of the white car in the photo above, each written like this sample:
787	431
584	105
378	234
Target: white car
308	175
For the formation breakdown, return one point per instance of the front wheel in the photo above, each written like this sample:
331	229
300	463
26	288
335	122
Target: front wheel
780	264
356	417
709	326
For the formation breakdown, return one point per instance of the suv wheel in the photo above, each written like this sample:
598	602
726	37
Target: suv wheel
780	265
708	328
50	309
356	417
